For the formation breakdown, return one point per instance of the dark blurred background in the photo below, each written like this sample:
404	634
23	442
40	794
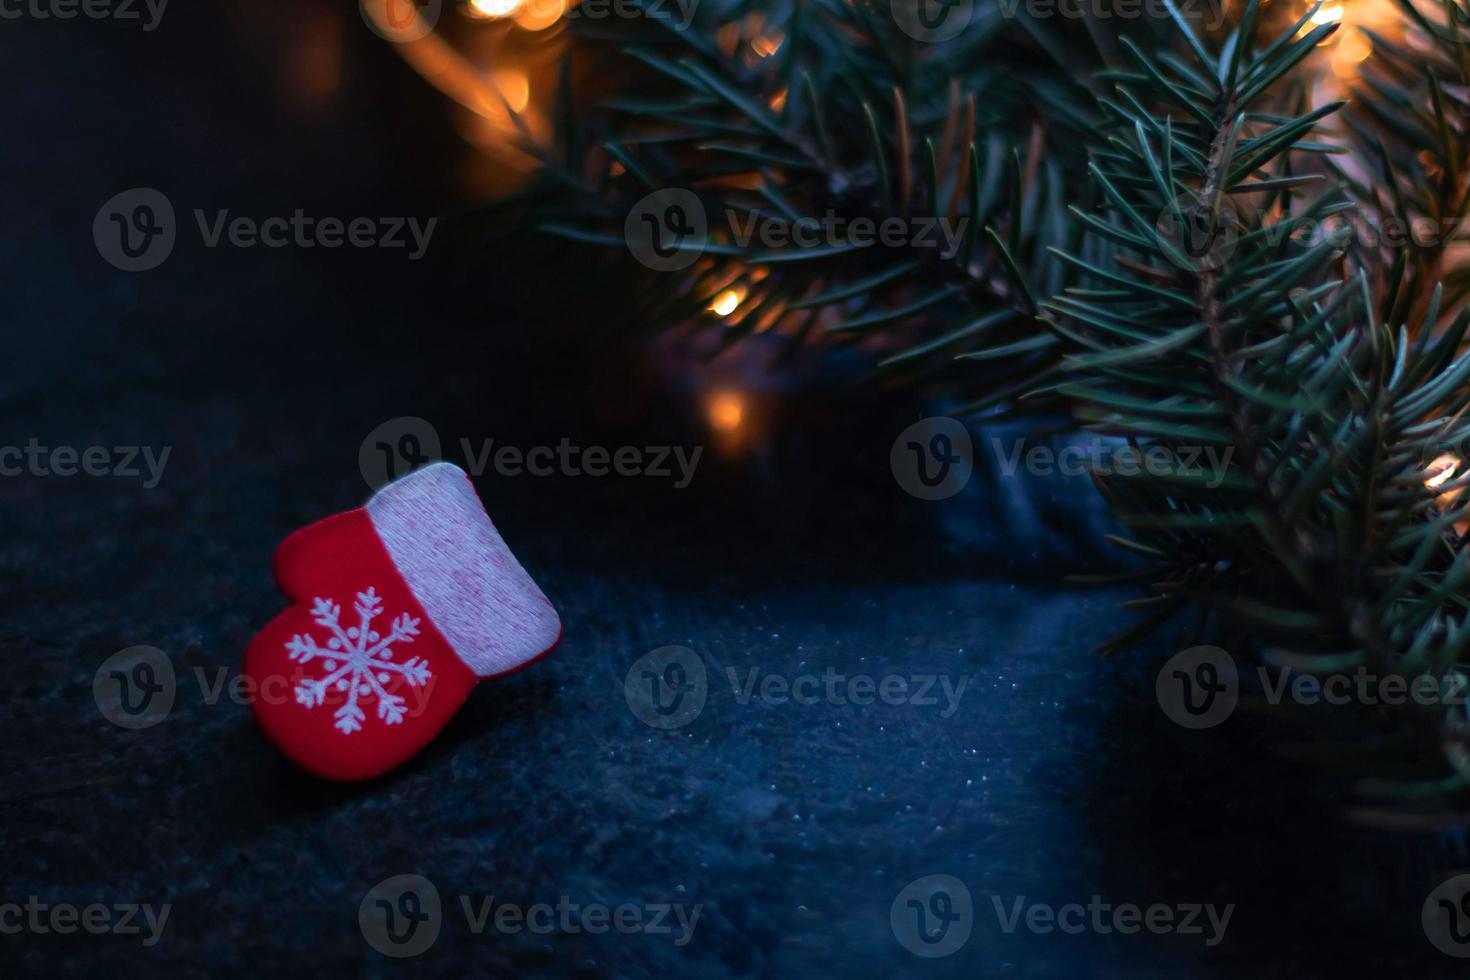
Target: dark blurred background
792	550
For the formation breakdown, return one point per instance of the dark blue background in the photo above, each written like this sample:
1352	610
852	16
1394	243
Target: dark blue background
794	826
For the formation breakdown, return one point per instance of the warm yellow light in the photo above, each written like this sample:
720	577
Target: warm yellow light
488	9
726	410
514	87
768	44
1350	51
727	302
1328	14
728	37
537	15
1441	469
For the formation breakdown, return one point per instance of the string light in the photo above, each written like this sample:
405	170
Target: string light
537	15
728	301
514	87
1328	13
1441	470
766	45
493	9
1350	51
726	411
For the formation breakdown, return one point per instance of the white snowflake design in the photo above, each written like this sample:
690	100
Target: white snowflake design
358	661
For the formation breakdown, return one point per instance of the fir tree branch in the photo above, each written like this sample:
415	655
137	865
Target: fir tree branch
1320	546
848	117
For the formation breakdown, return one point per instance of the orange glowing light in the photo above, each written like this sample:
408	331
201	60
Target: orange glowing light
1441	470
492	9
397	20
537	15
768	44
1350	51
728	301
313	61
514	87
726	411
1328	14
728	37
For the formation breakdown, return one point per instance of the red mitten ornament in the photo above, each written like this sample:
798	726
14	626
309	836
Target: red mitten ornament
400	607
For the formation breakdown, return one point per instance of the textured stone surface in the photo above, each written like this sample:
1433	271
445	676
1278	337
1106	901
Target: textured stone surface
794	826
